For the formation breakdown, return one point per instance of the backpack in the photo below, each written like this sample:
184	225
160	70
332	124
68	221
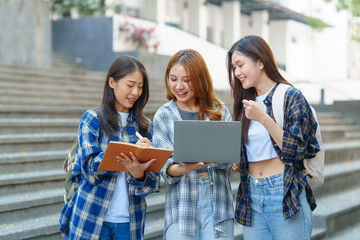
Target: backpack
314	167
70	186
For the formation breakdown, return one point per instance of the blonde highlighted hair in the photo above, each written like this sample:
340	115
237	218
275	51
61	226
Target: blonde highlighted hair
200	83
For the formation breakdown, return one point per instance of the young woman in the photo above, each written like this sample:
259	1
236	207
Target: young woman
198	203
274	200
111	205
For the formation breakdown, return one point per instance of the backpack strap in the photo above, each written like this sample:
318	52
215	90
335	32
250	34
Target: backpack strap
278	103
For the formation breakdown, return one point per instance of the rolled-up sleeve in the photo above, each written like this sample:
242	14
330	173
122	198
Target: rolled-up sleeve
89	153
299	139
150	184
162	138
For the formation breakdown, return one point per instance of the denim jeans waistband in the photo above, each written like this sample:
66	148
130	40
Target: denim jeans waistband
266	181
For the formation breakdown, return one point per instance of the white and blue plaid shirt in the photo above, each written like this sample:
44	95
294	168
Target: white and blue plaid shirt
182	192
82	217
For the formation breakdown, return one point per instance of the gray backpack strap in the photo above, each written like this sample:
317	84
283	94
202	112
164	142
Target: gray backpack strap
278	103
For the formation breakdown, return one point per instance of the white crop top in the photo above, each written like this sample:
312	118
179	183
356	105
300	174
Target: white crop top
259	146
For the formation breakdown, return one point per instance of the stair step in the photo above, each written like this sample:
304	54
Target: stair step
328	115
35	93
19	201
52	87
339	177
28	157
31	177
352	135
26	126
46	225
47	74
341	151
335	121
36	142
25	69
340	210
350	233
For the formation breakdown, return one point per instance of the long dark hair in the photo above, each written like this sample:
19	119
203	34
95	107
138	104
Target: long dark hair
107	114
255	48
200	83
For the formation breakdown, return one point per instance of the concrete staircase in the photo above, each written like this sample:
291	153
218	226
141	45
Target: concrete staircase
40	111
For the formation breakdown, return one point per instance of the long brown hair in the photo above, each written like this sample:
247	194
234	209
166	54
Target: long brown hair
255	48
200	83
107	113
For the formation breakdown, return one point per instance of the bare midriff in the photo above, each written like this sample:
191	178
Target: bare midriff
266	168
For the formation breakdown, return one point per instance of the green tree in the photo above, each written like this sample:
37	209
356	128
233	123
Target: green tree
353	6
84	7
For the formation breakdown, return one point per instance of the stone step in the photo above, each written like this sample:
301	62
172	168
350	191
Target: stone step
54	77
46	74
335	121
18	126
32	177
26	200
70	101
31	157
55	93
332	133
338	211
36	142
36	112
30	228
339	177
328	115
19	111
352	135
80	93
51	87
22	68
343	151
26	167
350	233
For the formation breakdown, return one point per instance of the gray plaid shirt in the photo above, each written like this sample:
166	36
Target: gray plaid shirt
182	192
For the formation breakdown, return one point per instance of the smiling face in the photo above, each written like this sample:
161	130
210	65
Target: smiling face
127	90
179	84
246	70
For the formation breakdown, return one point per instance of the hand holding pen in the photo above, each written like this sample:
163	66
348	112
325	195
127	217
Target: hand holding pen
143	141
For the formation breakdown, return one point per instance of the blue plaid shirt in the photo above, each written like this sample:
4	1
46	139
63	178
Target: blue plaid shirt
299	142
82	217
182	192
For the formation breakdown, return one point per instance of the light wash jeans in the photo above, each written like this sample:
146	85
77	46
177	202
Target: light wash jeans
204	219
267	220
115	231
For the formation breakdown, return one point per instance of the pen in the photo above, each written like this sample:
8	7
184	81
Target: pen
139	135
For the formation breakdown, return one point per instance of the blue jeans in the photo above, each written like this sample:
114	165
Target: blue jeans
267	220
115	231
204	219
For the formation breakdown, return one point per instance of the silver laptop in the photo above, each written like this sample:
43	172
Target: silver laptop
208	141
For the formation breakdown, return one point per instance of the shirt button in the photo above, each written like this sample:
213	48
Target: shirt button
266	101
109	194
275	145
256	181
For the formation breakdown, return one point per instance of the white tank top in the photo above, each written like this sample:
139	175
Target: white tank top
259	146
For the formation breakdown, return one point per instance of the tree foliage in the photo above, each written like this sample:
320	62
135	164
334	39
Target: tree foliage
83	7
352	5
316	23
354	8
